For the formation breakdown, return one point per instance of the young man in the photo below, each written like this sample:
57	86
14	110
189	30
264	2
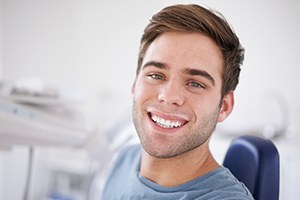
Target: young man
188	68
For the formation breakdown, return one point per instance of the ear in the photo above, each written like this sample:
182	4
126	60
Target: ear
226	107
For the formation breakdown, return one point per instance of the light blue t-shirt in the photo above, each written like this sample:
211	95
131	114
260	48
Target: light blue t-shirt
126	183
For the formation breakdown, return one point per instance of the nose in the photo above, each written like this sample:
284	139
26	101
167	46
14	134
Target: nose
171	93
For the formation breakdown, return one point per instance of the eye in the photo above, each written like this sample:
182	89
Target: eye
196	85
156	76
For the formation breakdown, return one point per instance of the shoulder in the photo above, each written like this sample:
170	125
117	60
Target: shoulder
131	149
129	153
127	158
225	186
123	171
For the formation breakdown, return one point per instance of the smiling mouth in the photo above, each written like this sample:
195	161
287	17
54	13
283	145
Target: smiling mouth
166	123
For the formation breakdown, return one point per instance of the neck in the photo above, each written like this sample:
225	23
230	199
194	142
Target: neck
180	169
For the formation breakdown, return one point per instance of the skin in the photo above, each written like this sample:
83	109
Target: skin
180	81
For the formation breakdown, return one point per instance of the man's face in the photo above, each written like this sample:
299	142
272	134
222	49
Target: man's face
177	94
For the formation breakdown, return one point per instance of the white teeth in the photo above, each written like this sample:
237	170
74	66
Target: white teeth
165	123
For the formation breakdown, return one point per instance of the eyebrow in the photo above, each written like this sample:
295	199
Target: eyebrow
156	64
188	71
202	73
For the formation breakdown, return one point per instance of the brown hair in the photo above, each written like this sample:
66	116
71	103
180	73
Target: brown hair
194	18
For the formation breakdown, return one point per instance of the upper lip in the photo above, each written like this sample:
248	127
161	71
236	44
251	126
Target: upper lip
167	116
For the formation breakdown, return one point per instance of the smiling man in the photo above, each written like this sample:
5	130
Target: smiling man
188	68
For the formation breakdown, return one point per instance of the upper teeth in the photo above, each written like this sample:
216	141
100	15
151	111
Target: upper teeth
165	123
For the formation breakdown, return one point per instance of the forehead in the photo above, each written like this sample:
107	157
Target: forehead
186	50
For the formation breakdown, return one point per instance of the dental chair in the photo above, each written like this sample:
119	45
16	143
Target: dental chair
255	162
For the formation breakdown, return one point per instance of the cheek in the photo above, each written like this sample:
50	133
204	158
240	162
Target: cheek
143	91
205	105
136	89
138	92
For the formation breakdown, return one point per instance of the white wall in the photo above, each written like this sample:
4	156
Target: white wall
93	44
1	40
1	158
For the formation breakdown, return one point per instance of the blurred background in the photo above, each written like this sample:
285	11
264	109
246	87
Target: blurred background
66	70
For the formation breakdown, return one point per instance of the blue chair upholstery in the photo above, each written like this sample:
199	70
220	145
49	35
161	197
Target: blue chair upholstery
255	162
